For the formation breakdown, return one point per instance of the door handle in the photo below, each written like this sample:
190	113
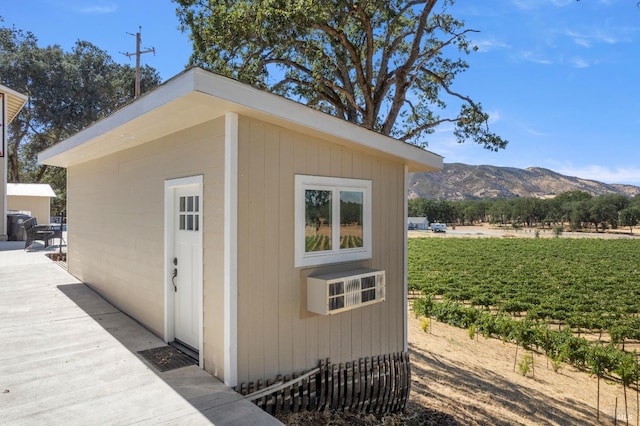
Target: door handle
175	274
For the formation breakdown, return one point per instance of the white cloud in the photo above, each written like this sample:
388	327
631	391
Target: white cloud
578	62
87	7
562	3
600	36
494	116
487	45
579	39
628	174
98	8
537	4
534	132
536	58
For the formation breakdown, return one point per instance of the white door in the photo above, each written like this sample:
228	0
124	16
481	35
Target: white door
186	265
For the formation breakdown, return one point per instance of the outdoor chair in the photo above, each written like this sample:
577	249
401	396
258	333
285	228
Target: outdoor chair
37	232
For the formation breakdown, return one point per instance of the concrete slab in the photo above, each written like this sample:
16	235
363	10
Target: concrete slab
67	356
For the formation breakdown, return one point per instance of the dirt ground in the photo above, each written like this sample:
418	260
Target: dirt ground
486	230
473	382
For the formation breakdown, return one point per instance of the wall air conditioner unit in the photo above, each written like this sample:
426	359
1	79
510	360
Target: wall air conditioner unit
342	291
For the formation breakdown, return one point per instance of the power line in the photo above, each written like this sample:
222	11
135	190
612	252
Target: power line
137	54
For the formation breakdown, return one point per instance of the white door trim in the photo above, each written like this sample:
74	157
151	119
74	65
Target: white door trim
169	211
405	265
231	249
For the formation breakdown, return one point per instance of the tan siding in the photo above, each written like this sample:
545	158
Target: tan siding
291	156
271	253
116	226
272	292
244	218
38	206
257	255
3	189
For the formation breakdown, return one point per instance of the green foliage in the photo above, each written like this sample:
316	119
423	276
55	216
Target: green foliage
388	66
577	209
67	92
558	230
589	284
526	364
602	359
317	243
630	217
424	324
627	368
471	331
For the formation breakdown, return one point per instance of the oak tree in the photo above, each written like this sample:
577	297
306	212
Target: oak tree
386	65
67	90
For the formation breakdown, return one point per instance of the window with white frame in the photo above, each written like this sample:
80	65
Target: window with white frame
332	220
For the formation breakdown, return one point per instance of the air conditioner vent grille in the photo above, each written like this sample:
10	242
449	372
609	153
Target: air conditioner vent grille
333	293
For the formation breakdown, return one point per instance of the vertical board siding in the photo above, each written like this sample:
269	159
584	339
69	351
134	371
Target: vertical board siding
116	226
38	206
292	158
272	292
271	250
244	218
258	256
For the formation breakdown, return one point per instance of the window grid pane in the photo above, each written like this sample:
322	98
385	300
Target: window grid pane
338	231
318	220
351	219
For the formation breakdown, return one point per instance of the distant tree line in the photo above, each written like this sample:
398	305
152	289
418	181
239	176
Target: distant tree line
575	209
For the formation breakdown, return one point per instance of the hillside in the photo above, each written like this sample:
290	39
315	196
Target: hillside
465	182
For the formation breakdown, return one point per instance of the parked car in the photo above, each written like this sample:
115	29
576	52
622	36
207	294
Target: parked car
438	227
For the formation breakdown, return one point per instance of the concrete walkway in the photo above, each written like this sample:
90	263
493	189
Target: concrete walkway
69	357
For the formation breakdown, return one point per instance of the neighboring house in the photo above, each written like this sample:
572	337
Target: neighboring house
34	198
201	208
11	102
421	223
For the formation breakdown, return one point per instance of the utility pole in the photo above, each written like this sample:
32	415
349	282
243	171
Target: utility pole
137	54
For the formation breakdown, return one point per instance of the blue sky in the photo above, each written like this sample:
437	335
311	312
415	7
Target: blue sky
559	77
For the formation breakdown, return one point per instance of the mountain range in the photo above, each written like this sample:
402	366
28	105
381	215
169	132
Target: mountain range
459	181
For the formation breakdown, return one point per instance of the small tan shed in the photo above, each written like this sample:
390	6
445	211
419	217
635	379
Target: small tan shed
202	208
34	198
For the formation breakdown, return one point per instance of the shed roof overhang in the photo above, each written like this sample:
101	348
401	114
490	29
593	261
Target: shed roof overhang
15	102
30	190
196	96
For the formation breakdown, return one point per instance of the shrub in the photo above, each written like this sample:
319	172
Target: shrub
424	324
558	230
525	364
472	331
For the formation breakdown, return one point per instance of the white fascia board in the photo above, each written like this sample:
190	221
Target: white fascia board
15	102
227	95
178	86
